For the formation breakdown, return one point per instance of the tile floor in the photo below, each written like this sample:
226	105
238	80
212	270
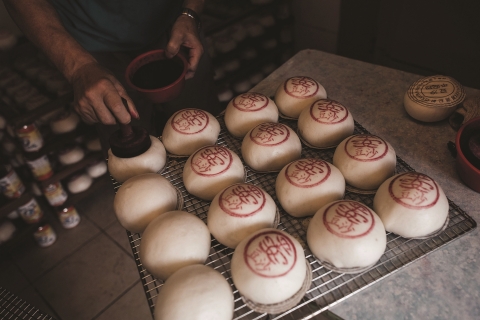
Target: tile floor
88	273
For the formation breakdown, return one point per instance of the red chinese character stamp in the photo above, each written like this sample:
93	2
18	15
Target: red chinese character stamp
190	121
270	134
301	87
328	111
348	219
270	254
307	173
365	147
250	102
211	160
414	190
242	200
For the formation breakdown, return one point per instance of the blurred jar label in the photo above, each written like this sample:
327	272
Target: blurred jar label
30	212
41	168
31	138
45	235
55	194
69	217
11	186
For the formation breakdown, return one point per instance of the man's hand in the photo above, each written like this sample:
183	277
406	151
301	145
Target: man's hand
98	96
184	33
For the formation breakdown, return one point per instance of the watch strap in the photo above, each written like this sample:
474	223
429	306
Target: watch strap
192	14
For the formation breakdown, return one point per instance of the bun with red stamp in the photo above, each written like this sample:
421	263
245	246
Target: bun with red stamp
365	161
239	210
305	185
189	129
296	94
248	110
325	123
210	169
412	205
270	146
346	236
174	240
268	267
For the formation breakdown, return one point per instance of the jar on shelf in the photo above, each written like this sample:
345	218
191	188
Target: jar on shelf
30	212
55	194
39	165
10	184
69	217
45	235
30	137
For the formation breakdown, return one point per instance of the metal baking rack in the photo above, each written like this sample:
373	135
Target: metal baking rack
12	307
328	287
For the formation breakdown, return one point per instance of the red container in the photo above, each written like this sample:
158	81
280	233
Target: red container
469	174
163	94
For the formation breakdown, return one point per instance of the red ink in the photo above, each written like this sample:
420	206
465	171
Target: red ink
270	254
211	160
242	200
307	173
348	219
301	87
364	147
414	190
328	111
270	134
190	121
250	102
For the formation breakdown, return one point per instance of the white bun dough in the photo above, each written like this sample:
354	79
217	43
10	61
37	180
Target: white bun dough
65	122
94	145
97	169
188	130
303	186
297	93
195	292
325	123
79	183
268	266
365	161
411	205
270	146
433	98
141	199
247	111
347	234
71	155
238	211
151	161
174	240
211	169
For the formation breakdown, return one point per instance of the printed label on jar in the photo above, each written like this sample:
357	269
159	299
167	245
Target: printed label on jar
31	138
45	236
69	217
41	168
11	185
55	194
30	212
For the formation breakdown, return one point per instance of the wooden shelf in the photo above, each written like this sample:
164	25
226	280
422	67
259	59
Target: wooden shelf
98	184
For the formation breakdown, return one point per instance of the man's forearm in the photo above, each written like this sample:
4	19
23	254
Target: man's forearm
40	22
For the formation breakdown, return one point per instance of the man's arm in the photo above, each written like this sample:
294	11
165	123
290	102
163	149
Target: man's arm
97	92
185	33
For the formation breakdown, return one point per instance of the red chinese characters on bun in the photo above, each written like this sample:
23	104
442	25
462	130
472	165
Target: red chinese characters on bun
268	266
189	129
411	205
346	236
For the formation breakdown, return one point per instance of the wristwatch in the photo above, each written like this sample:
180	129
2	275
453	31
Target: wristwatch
192	14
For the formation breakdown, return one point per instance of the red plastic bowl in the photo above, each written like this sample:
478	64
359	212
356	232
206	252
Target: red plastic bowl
163	94
469	174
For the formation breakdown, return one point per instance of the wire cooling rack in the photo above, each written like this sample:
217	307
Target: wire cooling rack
328	287
12	307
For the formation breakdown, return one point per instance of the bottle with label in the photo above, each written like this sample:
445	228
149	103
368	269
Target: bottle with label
30	137
10	184
69	217
45	235
39	165
30	212
55	194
